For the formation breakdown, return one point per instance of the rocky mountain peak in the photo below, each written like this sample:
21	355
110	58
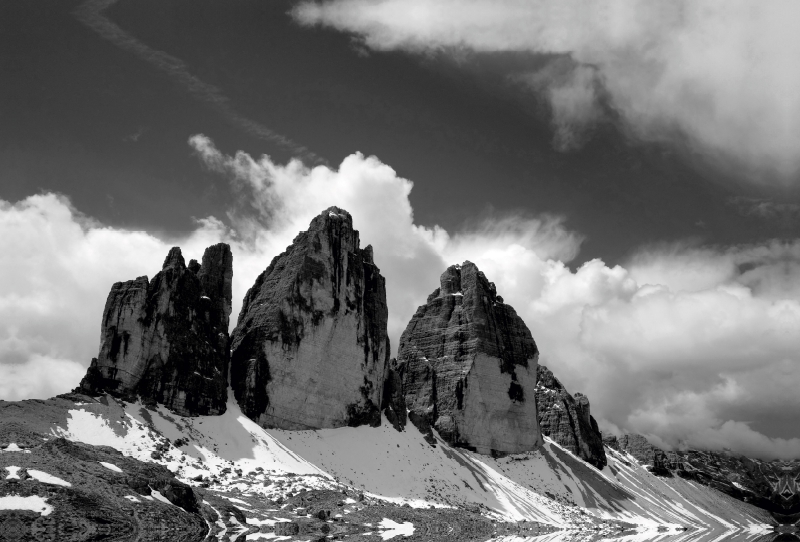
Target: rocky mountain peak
310	348
468	366
216	280
567	419
174	259
166	340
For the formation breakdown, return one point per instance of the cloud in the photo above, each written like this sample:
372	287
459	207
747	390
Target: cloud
91	13
696	345
785	215
715	72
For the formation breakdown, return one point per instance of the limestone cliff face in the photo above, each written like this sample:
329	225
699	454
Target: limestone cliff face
567	419
468	366
166	340
310	349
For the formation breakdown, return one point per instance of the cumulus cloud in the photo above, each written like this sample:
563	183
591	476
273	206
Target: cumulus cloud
718	72
694	345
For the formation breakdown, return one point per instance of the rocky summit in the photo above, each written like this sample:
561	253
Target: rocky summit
310	348
166	340
468	365
567	420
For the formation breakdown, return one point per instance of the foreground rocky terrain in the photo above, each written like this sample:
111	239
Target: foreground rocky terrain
247	479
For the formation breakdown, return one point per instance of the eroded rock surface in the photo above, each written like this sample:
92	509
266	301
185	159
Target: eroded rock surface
166	340
567	419
310	348
468	365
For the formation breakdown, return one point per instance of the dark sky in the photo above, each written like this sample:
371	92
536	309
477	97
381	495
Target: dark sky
81	116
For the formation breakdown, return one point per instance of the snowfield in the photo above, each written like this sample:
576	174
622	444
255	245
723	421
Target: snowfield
234	455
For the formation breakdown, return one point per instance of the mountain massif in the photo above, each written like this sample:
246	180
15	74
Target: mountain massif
301	403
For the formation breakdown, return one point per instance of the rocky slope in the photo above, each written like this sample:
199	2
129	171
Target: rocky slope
261	483
567	419
166	340
53	489
310	348
771	485
468	367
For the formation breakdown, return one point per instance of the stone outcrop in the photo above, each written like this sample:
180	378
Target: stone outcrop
310	348
166	340
635	445
468	367
567	420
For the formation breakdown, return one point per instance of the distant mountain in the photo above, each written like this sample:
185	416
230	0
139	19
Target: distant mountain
771	485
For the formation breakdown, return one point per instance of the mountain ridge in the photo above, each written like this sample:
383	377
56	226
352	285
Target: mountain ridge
315	406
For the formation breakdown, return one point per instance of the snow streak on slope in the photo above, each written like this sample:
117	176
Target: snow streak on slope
549	485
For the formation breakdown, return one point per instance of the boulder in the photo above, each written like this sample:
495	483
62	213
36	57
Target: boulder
310	348
468	367
166	340
567	419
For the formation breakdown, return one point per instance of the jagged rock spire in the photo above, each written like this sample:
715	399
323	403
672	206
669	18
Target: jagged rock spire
468	366
567	419
310	347
166	340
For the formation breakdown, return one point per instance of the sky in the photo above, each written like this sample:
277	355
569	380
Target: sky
628	176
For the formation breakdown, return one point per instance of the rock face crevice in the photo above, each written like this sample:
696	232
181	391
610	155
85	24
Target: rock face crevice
567	419
468	366
166	340
310	349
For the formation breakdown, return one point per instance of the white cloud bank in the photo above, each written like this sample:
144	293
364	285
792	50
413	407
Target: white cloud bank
720	72
670	345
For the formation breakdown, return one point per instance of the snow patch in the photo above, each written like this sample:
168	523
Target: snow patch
395	529
13	473
159	497
110	466
46	478
34	503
